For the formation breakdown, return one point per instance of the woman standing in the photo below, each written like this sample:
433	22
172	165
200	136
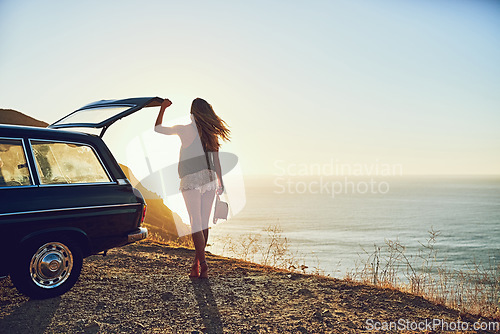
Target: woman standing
199	170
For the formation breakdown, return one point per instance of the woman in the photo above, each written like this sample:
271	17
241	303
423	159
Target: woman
199	157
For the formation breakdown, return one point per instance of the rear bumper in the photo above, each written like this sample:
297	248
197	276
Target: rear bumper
139	234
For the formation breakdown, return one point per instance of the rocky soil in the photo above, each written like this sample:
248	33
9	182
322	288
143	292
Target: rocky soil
144	288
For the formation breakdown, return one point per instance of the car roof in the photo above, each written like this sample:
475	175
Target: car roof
20	131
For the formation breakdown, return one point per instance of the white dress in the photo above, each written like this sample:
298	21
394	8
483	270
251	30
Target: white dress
203	180
196	168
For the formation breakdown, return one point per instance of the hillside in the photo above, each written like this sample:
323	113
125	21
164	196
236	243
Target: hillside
144	288
160	220
13	117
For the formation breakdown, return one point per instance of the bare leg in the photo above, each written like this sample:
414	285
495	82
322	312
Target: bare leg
207	199
199	258
205	234
193	205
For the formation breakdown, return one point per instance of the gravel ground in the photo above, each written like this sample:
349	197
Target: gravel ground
144	288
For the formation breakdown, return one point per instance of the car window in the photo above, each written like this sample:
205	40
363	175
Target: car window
14	169
67	163
92	115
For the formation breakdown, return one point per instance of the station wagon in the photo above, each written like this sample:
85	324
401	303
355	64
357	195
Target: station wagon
64	197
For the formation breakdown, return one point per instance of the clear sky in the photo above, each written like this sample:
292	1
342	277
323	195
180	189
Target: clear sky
410	82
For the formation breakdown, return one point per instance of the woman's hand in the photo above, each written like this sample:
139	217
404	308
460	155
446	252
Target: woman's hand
166	103
220	189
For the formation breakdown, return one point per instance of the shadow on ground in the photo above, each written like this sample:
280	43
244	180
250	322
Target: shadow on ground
209	311
40	313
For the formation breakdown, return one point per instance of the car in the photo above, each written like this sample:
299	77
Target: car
64	197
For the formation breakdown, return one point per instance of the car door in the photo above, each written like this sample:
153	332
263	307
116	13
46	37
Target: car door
16	181
102	114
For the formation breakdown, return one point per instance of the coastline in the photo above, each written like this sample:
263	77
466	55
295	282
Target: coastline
463	209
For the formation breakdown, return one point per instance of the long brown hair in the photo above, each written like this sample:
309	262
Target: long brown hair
210	126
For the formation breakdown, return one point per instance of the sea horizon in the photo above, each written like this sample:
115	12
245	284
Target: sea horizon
337	232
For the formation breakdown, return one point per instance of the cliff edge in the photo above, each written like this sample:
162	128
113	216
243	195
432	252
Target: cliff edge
144	288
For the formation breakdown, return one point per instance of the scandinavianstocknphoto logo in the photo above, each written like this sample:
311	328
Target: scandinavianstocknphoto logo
334	178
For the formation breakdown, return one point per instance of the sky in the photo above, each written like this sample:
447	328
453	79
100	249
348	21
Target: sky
392	82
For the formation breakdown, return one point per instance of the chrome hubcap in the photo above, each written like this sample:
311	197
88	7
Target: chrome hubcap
51	265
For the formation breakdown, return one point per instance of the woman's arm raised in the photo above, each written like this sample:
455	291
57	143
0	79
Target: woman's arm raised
173	130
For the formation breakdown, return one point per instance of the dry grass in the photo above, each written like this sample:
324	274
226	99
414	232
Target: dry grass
474	289
270	248
184	241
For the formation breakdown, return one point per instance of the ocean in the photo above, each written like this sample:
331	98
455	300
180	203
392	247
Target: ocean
334	223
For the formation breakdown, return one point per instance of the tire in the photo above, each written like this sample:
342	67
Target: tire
47	267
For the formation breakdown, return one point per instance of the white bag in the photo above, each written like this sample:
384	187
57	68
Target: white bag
221	209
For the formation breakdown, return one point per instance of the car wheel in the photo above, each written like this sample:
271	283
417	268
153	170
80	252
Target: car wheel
47	268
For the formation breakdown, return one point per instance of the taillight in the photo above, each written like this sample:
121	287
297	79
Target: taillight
143	213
